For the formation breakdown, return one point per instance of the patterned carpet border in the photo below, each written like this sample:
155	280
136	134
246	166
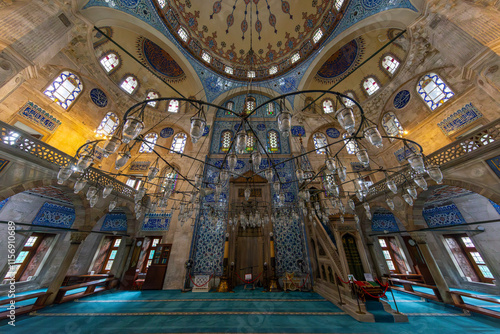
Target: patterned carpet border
180	313
195	300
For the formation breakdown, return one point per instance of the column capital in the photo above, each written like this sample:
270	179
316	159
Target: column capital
78	237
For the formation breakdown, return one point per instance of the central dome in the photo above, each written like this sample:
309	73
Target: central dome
251	38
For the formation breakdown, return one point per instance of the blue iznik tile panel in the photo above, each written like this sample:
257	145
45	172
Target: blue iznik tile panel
443	216
261	128
2	203
55	215
384	220
214	84
404	152
239	104
157	222
115	222
209	234
460	119
495	205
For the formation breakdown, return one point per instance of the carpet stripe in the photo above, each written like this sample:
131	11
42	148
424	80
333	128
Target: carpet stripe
181	313
195	300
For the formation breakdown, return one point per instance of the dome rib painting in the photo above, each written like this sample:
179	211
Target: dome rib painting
159	60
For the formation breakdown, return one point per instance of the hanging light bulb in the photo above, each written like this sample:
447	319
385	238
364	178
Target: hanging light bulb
248	192
112	205
346	119
64	174
269	174
417	162
412	191
276	186
241	141
198	125
284	122
351	203
107	190
420	181
390	203
331	164
91	192
300	175
84	161
132	128
256	159
435	173
373	136
232	160
408	199
342	173
392	186
362	155
153	171
122	159
79	185
111	146
93	200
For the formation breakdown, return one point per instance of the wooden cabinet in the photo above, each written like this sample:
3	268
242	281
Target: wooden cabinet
156	272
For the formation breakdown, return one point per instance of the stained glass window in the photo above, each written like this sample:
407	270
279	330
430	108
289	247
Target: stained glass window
173	106
317	35
328	106
151	96
250	104
392	126
295	57
251	74
350	145
108	125
149	143
273	70
273	142
370	85
338	4
169	176
228	70
183	34
206	57
250	141
225	140
110	62
230	106
129	84
390	64
64	89
433	90
319	143
348	103
270	108
179	143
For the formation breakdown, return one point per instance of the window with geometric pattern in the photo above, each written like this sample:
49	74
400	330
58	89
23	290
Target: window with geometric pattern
348	103
225	140
350	144
149	143
179	143
173	106
129	84
110	62
64	89
390	64
250	141
108	125
392	126
433	90
273	142
370	85
327	106
230	106
320	141
151	96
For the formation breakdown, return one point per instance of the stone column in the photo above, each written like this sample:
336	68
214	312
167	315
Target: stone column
372	251
76	240
444	290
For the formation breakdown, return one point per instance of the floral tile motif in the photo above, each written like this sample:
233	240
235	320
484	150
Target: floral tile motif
157	222
445	215
384	220
115	222
55	215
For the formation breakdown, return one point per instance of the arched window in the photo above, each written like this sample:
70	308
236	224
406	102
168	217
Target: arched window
350	145
433	90
129	84
370	85
273	141
225	140
110	62
149	143
230	106
173	106
270	108
250	104
64	89
348	103
183	34
338	4
151	96
108	125
390	64
327	106
319	143
317	35
179	143
250	141
392	126
170	175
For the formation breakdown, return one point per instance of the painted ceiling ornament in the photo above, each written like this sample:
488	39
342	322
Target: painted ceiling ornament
157	59
342	62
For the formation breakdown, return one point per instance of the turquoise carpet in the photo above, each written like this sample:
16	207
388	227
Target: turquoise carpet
244	311
32	301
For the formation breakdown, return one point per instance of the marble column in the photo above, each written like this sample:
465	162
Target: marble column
76	240
444	290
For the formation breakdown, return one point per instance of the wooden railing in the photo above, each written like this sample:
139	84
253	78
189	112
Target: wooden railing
474	143
14	138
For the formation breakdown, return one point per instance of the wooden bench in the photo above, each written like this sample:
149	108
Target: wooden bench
458	300
409	277
408	288
39	303
91	288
